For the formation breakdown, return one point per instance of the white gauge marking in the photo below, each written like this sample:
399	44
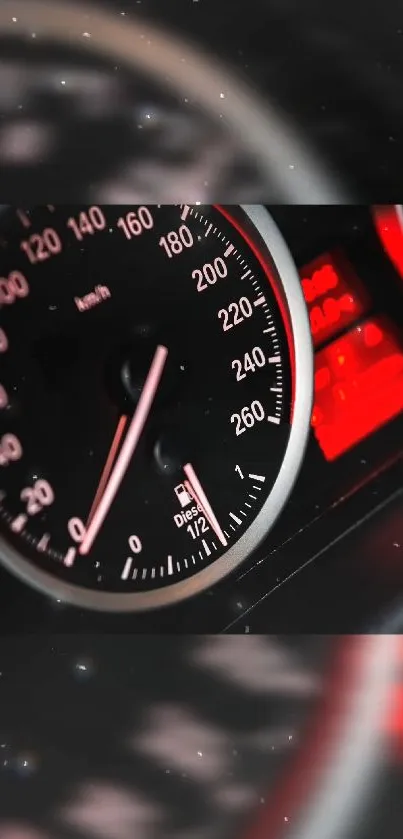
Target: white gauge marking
19	523
3	341
70	557
24	219
3	397
229	250
126	570
246	274
206	547
274	359
185	212
276	389
235	518
170	566
275	420
257	477
43	542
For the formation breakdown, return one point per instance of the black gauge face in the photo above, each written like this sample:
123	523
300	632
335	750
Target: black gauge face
148	379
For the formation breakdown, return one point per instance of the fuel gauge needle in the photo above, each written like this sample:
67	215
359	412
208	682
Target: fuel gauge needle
196	490
128	448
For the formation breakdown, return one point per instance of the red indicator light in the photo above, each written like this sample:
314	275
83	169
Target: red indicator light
334	295
319	278
372	335
389	224
358	386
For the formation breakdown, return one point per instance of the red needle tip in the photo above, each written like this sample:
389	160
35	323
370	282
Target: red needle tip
108	466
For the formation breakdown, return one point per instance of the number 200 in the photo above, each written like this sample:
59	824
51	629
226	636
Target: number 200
210	273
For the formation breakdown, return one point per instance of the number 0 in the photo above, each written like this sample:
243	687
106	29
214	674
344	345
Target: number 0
135	544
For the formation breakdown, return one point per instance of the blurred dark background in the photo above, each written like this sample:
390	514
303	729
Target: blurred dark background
321	116
118	737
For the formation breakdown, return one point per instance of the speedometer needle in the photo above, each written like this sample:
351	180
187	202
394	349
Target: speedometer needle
108	466
128	448
195	489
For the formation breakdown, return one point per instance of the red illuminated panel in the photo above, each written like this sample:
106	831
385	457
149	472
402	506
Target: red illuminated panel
334	295
358	386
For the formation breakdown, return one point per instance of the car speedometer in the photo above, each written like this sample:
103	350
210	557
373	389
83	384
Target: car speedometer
155	397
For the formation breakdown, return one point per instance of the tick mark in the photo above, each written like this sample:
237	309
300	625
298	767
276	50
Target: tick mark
43	542
19	523
70	557
126	570
24	219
